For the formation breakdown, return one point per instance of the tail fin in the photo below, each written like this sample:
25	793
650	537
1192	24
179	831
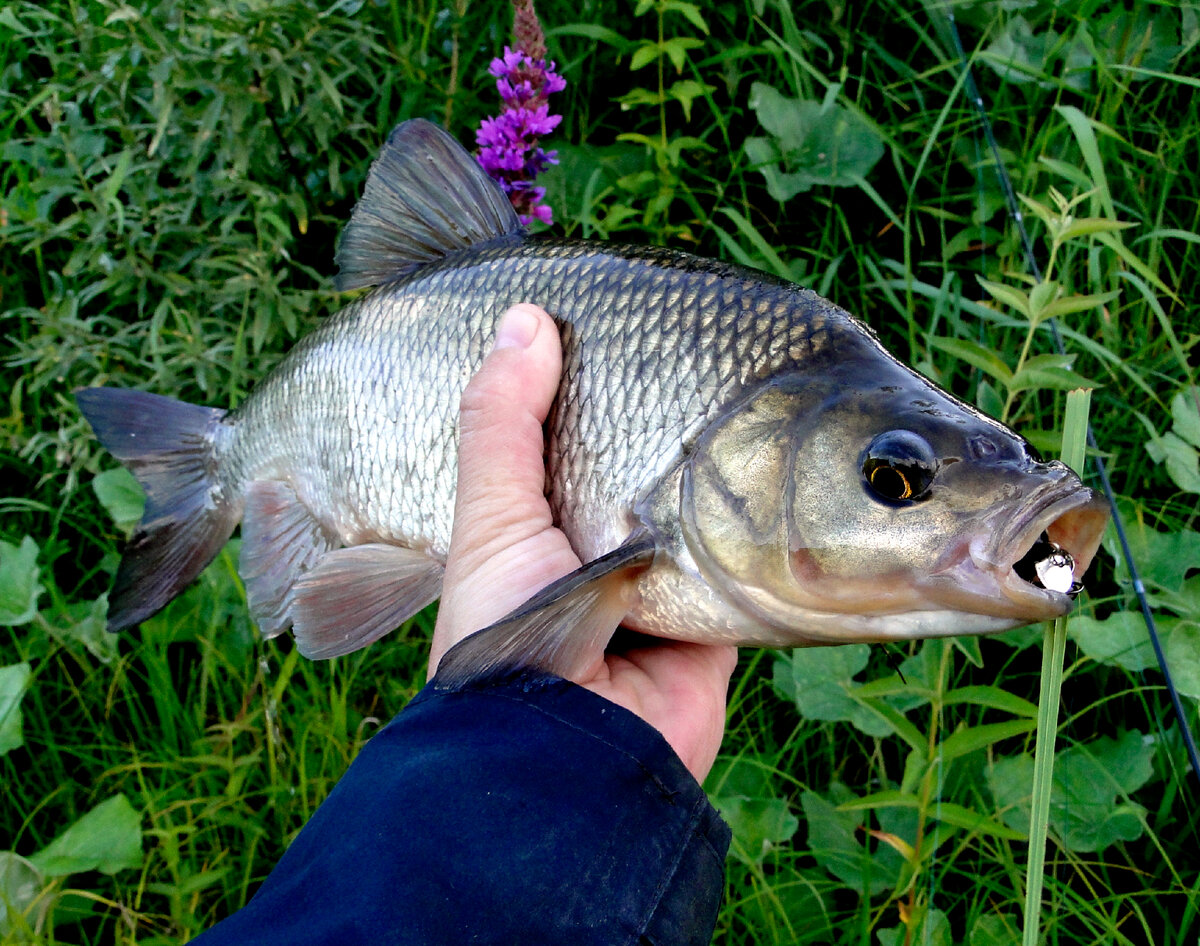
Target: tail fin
169	446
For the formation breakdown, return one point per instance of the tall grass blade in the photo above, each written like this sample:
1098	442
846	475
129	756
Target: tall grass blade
1054	646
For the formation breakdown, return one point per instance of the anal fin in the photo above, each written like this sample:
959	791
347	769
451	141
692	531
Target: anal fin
560	629
353	596
281	539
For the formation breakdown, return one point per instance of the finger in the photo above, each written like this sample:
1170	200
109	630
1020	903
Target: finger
504	545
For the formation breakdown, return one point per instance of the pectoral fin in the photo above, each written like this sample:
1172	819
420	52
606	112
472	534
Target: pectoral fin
560	629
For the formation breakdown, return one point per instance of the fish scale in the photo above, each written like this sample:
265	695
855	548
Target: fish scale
733	458
430	332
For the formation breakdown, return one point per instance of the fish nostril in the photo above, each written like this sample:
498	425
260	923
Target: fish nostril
982	447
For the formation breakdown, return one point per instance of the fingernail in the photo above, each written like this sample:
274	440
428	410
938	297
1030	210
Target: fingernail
516	329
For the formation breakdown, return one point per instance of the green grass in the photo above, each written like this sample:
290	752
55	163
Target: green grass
172	180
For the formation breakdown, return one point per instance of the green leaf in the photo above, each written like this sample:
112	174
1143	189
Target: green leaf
1044	213
1185	413
1144	37
758	824
644	55
676	49
976	355
1181	458
21	887
14	680
1132	261
1085	226
819	143
121	14
689	10
974	738
1010	780
818	680
763	155
993	697
686	91
1068	305
950	813
86	622
989	400
889	799
1035	377
1050	361
1119	640
1182	651
743	775
19	586
782	117
108	839
923	670
771	260
1006	295
677	146
1087	807
1018	54
121	496
969	647
995	930
1091	780
1163	558
962	817
897	722
637	97
1041	296
833	841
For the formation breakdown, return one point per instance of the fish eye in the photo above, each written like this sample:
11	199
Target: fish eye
899	466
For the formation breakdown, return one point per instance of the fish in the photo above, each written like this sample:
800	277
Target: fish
734	458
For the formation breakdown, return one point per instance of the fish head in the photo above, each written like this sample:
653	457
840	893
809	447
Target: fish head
871	505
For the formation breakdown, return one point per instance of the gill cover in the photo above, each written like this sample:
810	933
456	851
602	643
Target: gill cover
735	491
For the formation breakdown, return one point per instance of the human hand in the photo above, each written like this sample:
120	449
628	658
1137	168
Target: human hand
505	546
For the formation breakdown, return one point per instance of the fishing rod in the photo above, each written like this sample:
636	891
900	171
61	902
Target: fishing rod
1014	212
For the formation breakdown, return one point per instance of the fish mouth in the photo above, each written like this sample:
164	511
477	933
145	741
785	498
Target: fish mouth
1038	559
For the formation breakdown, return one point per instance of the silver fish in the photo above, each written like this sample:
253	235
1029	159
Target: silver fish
733	457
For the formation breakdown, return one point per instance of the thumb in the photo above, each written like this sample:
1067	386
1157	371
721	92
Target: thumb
504	545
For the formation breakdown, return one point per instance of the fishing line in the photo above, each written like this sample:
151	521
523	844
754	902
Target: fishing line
1014	212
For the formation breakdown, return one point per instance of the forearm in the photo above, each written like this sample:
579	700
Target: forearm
513	812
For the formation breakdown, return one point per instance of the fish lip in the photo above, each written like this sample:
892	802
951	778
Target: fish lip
1072	516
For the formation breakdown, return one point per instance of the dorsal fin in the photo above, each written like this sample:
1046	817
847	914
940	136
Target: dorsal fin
425	197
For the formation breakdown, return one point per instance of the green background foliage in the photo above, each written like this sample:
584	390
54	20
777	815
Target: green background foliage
172	180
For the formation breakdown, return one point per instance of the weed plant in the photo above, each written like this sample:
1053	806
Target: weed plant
172	180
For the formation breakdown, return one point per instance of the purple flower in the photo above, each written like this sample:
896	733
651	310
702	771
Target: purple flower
508	143
510	62
540	212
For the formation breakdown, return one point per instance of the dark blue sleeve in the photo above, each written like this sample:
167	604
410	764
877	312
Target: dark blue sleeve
517	811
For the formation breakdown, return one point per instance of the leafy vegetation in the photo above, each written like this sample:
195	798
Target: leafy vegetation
172	180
